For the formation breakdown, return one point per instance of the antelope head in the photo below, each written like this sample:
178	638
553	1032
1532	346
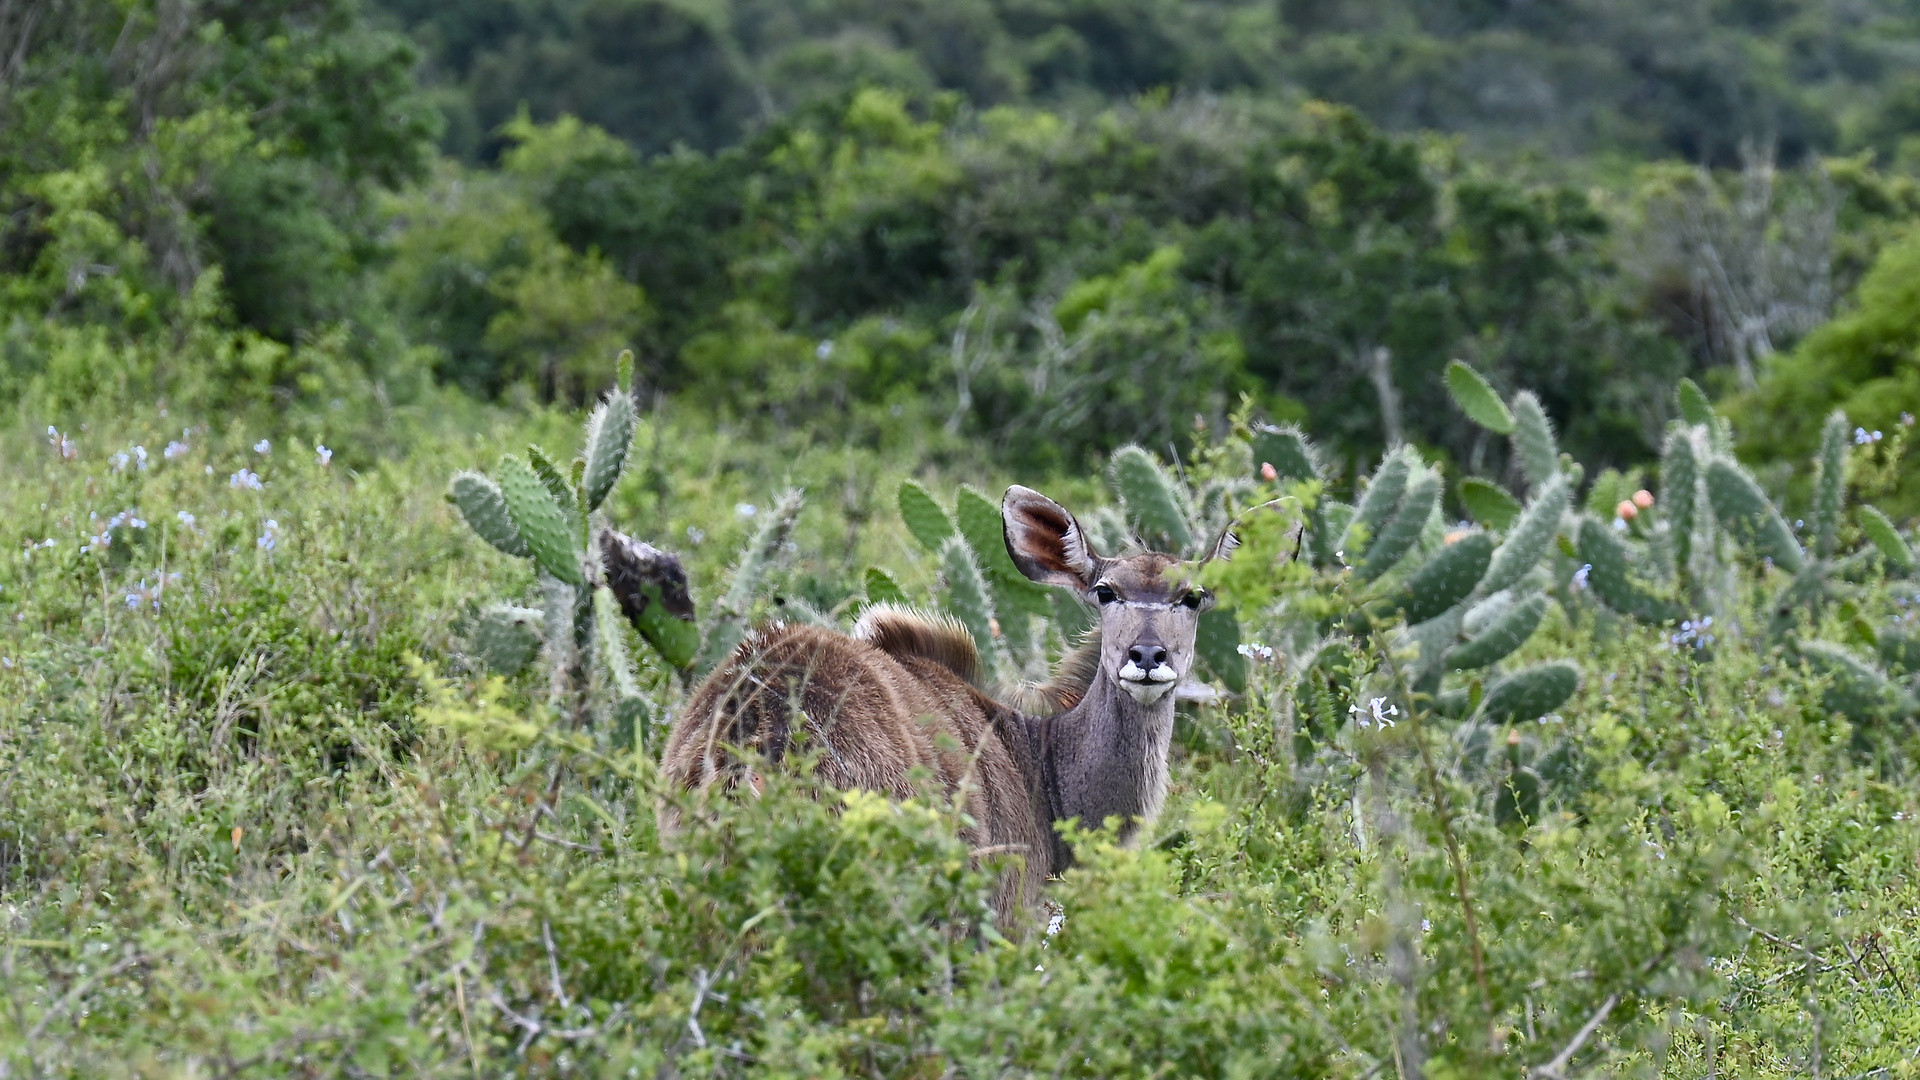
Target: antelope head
1149	607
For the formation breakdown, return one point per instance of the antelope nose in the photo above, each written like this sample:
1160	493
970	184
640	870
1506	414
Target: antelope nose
1147	657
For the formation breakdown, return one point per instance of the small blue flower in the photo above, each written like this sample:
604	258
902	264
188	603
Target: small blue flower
324	455
245	479
174	449
269	536
262	446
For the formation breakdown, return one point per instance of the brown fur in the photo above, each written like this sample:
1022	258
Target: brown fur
904	633
872	717
899	695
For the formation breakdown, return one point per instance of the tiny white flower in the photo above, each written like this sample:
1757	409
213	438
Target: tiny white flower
246	479
324	455
269	535
262	446
745	510
185	519
174	449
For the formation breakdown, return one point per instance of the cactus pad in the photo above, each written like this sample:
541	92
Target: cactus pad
1533	441
1287	450
1399	534
1531	693
485	509
609	436
925	520
1531	535
1445	579
1886	538
1747	512
1612	581
1477	399
1500	636
549	530
1488	503
1154	507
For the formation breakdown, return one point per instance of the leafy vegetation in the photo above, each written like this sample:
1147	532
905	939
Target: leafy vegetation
1558	720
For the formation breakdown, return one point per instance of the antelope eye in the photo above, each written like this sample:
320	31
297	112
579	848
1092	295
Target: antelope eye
1105	594
1194	599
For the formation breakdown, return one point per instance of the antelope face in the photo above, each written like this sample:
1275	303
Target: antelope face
1149	612
1149	616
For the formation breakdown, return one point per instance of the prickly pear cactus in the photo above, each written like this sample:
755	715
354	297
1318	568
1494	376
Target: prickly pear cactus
1155	507
968	597
485	510
551	532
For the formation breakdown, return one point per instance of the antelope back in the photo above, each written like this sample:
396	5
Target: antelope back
873	720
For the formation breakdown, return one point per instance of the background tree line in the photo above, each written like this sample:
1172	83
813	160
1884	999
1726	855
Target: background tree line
1041	228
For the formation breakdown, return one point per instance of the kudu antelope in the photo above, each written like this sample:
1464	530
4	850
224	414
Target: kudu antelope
902	692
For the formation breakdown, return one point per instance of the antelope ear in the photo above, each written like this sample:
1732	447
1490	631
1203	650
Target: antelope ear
1045	542
1225	544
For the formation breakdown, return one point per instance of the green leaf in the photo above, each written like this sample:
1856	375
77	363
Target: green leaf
925	520
1477	399
1884	536
1488	503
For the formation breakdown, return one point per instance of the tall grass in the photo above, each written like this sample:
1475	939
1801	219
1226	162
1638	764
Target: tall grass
258	816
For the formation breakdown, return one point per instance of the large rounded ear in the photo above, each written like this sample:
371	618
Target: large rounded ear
1045	542
1223	545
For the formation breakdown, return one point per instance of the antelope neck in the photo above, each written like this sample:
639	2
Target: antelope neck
1105	757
